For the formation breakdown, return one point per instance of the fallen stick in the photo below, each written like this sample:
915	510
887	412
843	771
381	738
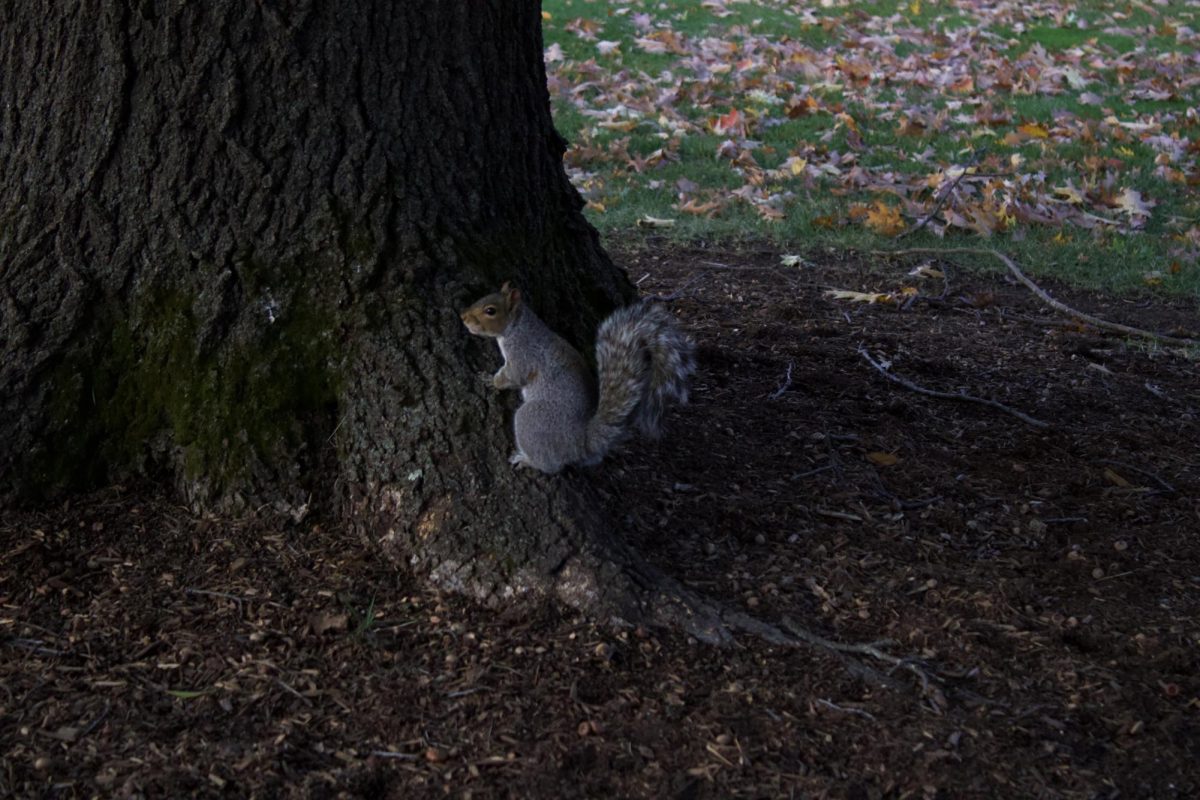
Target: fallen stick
945	195
1041	294
970	398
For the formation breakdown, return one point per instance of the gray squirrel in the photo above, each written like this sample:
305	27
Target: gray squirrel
642	357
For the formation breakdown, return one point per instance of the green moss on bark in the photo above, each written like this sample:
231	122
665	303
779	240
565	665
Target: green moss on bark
147	394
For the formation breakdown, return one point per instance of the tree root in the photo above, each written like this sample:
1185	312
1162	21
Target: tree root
668	604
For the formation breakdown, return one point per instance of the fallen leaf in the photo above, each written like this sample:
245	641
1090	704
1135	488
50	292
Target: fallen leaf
882	459
926	271
708	209
859	297
1068	194
655	222
727	123
1116	479
885	219
328	622
1131	202
1034	131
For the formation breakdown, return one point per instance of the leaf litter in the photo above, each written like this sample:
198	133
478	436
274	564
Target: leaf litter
1050	576
975	119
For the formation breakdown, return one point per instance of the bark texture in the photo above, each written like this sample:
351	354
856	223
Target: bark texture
235	238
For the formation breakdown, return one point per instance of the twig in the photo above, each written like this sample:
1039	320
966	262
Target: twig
867	649
1096	322
828	512
395	755
304	699
783	387
236	598
941	202
885	372
844	710
811	472
94	723
675	295
35	646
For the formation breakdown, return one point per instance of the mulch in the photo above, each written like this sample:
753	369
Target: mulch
1046	579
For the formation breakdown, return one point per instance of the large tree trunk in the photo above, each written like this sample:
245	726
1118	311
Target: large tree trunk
235	237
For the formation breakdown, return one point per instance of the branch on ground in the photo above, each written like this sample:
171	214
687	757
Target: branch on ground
1041	294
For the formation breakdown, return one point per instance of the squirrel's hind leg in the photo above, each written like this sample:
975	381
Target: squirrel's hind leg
547	438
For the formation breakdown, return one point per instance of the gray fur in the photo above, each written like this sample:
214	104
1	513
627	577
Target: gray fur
644	361
557	394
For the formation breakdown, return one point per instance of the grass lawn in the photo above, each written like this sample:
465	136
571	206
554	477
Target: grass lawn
1065	134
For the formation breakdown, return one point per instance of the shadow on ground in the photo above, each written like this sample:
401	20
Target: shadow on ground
1048	575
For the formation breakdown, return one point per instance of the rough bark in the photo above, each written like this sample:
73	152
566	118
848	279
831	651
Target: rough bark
235	239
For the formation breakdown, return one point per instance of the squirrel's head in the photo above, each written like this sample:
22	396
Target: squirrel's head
490	315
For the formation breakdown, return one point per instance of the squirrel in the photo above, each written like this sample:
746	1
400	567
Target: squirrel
643	360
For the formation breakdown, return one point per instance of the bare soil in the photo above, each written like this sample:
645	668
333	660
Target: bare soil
1048	579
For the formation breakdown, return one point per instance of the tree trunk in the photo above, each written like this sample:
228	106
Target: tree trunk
236	237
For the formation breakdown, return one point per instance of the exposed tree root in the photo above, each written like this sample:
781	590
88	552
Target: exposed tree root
649	596
1041	294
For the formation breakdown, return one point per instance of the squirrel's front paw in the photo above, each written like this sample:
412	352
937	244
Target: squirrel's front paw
519	459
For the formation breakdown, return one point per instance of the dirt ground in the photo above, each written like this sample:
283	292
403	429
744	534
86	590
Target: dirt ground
1047	578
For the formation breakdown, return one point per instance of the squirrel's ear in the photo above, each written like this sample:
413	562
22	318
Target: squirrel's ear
511	293
504	287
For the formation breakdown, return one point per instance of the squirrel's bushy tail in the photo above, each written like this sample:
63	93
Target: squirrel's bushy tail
643	360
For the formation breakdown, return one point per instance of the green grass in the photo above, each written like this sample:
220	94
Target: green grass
909	39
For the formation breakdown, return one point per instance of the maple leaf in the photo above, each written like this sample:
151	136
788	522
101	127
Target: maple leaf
801	106
885	219
1130	202
727	123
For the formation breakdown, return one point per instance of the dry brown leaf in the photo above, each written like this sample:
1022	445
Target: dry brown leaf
708	209
927	271
885	219
859	297
328	622
882	459
1034	130
1116	478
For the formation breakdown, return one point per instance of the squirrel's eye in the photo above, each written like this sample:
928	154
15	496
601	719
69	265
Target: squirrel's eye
490	311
